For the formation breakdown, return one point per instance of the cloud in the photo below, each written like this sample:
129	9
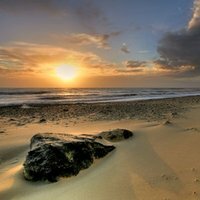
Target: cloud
86	12
39	58
89	15
135	64
195	20
130	71
19	6
146	68
133	67
180	51
20	58
124	48
99	40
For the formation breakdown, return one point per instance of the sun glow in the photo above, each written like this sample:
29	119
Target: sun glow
66	72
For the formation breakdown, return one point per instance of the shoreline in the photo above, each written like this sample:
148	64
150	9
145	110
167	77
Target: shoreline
72	96
142	109
97	102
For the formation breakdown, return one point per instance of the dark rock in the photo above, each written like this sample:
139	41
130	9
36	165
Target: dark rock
174	113
2	131
116	135
61	155
167	123
42	120
20	124
93	136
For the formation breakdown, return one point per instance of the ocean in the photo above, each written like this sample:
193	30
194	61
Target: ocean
9	97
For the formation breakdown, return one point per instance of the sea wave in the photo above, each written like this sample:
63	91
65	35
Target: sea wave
23	92
62	95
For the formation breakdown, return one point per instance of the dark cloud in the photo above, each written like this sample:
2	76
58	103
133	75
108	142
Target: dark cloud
19	6
85	11
133	67
180	51
99	40
89	15
135	64
124	48
130	71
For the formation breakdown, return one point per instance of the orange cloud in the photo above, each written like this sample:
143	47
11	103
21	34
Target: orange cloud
38	58
84	39
21	59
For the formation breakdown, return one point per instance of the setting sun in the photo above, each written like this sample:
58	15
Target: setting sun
66	72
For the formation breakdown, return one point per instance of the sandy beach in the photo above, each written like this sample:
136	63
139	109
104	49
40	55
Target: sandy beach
99	100
161	161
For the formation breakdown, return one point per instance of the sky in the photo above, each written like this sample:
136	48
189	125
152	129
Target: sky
121	43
